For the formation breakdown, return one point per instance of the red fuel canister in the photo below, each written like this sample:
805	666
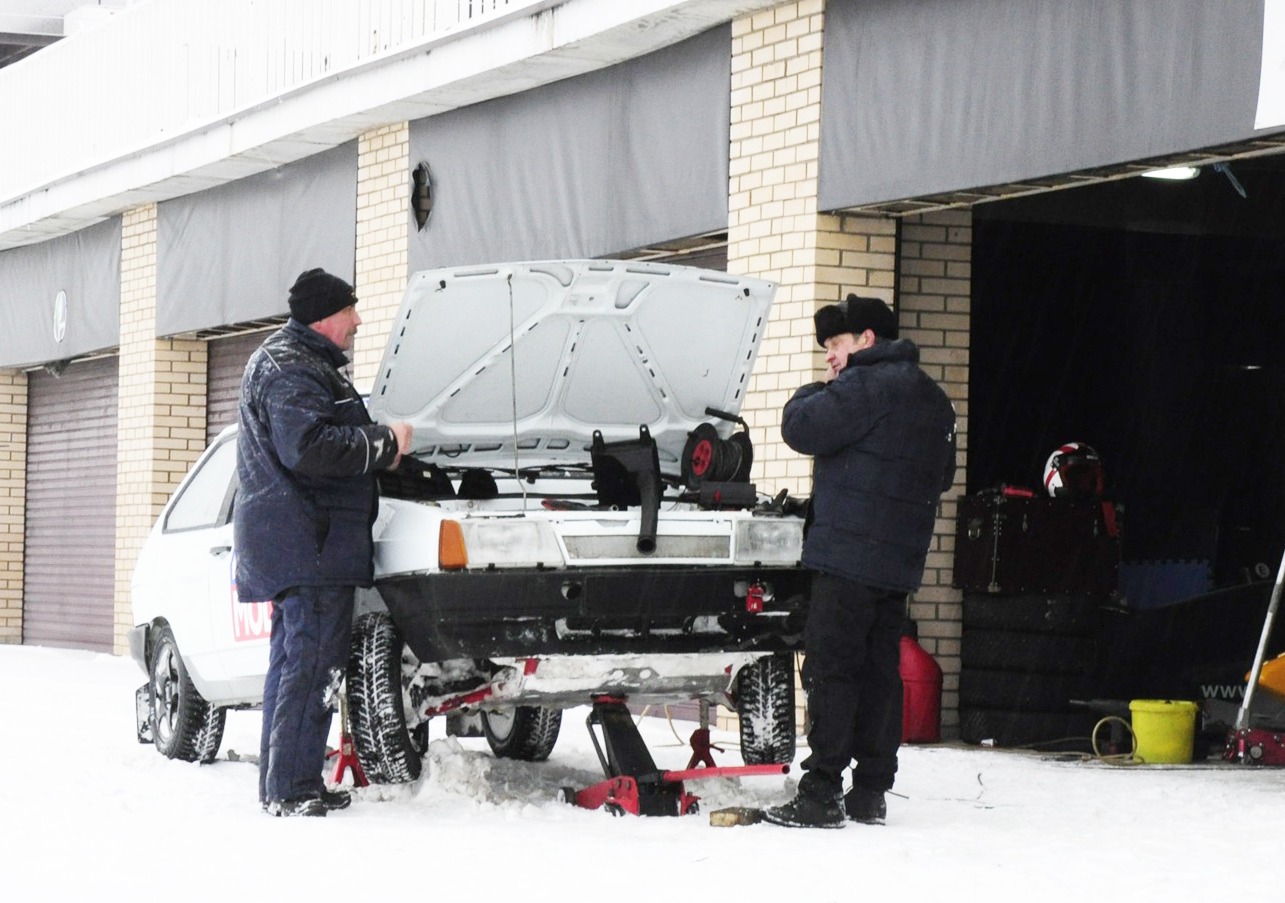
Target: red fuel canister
921	691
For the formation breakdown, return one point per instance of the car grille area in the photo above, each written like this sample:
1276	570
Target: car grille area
598	548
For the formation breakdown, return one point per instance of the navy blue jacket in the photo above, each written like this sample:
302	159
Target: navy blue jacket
307	454
882	435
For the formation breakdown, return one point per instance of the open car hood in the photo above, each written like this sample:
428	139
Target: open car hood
543	354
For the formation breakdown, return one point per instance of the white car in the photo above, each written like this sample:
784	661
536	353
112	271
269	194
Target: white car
576	522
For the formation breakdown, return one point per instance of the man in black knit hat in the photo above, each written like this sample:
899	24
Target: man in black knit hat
307	455
882	437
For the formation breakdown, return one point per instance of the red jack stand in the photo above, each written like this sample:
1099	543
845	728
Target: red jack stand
701	749
634	784
346	755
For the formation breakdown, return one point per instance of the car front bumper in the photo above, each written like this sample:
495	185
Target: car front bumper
529	612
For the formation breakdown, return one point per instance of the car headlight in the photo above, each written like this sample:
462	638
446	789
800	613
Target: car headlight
776	540
505	543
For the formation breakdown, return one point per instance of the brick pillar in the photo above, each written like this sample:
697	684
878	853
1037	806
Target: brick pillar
383	228
161	407
934	299
13	500
776	232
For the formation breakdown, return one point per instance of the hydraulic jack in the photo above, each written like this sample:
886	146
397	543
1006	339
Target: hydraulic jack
634	784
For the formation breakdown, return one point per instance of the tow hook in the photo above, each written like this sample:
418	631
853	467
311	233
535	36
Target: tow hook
755	595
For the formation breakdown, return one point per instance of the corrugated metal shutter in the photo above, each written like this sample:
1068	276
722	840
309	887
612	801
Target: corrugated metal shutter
226	363
69	566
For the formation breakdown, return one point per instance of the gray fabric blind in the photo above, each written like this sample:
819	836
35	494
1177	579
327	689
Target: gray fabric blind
601	163
86	266
938	95
230	254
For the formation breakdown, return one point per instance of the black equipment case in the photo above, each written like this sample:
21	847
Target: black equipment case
1022	543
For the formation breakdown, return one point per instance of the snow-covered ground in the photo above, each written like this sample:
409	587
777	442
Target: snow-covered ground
90	814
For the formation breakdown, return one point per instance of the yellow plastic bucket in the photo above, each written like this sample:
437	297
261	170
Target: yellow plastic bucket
1165	730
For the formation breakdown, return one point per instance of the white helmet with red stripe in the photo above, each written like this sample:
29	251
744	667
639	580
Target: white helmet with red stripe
1074	470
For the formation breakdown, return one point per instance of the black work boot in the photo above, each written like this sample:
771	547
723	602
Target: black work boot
335	799
308	806
865	806
807	812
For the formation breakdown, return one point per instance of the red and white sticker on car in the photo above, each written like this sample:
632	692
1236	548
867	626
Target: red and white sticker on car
250	620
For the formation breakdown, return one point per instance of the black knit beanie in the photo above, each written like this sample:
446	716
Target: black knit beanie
855	315
316	295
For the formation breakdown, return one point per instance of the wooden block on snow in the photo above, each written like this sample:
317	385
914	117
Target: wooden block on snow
736	815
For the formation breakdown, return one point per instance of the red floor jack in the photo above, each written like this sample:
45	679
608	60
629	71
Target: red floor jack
634	784
1258	745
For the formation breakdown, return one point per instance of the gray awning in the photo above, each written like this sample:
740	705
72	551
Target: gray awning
601	163
230	254
83	269
942	95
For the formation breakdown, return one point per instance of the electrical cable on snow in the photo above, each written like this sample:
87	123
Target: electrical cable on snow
1115	758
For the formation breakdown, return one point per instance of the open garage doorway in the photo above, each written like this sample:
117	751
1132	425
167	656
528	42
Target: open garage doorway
1145	318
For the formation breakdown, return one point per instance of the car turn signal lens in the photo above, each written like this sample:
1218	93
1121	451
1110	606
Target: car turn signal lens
452	554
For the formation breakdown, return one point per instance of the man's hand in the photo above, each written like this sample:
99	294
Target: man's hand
402	431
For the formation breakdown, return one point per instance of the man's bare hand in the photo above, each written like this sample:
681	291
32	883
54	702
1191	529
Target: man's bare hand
402	432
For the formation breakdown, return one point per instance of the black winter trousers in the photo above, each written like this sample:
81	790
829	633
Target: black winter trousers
852	678
311	633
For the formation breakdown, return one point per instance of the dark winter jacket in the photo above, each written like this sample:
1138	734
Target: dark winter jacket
882	434
307	454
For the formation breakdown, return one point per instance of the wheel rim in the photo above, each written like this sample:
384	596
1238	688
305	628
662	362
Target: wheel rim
165	694
500	724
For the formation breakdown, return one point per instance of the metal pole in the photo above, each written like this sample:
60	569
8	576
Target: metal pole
1242	717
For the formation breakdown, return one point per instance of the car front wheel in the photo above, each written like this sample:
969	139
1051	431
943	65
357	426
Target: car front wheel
184	725
526	732
765	704
389	752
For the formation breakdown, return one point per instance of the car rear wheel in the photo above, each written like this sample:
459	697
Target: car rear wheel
184	725
765	704
526	732
389	752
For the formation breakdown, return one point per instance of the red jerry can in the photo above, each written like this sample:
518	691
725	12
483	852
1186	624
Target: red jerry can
921	691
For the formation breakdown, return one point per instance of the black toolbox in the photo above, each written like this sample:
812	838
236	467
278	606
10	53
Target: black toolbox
1018	543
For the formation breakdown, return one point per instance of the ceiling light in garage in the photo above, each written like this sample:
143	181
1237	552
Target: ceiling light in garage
1173	173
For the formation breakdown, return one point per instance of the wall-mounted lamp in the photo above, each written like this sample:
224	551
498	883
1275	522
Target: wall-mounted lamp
421	195
1173	173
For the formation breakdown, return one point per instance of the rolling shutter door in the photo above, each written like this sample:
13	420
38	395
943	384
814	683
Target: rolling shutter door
226	363
69	567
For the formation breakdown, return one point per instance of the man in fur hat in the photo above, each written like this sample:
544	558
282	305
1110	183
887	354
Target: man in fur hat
882	436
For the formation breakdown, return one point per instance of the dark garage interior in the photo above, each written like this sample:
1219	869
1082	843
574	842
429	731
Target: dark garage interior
1144	318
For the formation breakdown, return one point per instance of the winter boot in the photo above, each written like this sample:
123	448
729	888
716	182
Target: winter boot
865	806
806	812
335	799
308	806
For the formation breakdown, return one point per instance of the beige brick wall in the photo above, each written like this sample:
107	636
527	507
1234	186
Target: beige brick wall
776	232
383	211
161	425
13	492
935	295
